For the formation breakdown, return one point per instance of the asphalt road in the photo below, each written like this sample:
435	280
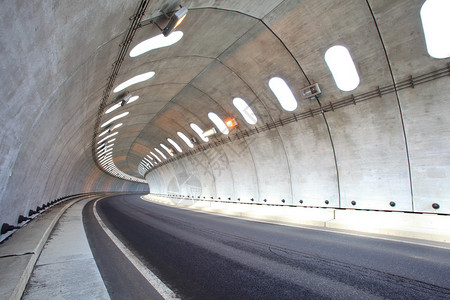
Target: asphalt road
205	256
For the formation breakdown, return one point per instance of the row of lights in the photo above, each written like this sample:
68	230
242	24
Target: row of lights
336	57
104	151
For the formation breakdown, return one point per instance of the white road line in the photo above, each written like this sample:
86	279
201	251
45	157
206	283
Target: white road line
159	286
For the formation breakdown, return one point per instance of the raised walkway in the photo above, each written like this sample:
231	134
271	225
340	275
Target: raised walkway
51	254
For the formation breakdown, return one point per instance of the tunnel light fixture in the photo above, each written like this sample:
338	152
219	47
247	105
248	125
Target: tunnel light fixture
134	80
113	108
175	20
104	155
110	129
150	157
283	93
169	151
104	151
231	123
199	132
155	156
185	139
107	137
342	68
112	140
160	153
132	99
218	122
309	92
106	159
148	161
175	145
114	118
102	145
156	42
245	110
436	23
210	132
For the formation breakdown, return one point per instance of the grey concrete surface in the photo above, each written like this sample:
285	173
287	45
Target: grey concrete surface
56	59
66	268
19	253
204	256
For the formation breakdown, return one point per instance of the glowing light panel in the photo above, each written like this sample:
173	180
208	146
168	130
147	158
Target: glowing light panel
436	27
342	68
283	93
156	42
134	80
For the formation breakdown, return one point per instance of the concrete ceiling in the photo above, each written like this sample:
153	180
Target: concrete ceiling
57	57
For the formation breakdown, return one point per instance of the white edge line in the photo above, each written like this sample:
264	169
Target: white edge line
324	229
159	286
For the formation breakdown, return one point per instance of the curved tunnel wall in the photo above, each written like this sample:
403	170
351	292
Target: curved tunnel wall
386	153
50	99
56	59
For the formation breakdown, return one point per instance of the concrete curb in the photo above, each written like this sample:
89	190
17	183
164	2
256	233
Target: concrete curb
427	227
25	277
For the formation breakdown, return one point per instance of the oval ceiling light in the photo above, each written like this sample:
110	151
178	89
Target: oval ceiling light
185	139
134	80
132	99
169	151
114	118
110	129
342	68
107	137
160	153
155	156
283	93
436	23
113	108
245	110
156	42
175	145
199	132
219	123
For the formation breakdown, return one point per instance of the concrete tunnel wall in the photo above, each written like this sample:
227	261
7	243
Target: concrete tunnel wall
56	59
50	100
387	149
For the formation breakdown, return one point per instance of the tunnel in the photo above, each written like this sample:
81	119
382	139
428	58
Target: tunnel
332	114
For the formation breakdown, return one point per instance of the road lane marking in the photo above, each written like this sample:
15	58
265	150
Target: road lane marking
159	286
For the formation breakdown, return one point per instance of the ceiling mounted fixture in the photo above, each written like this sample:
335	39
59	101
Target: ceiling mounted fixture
156	42
245	110
210	132
283	93
175	145
435	23
218	122
134	80
231	123
342	68
114	118
175	18
185	139
310	91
